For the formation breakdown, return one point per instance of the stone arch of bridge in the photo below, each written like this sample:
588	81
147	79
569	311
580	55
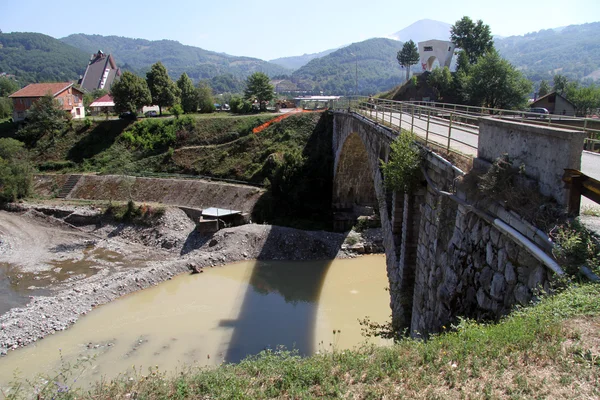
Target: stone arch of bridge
353	184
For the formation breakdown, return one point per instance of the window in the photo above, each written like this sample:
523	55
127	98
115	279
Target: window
449	48
428	48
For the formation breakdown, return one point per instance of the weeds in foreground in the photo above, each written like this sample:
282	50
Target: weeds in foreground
533	353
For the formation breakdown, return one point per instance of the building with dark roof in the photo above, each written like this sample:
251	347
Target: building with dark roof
100	72
70	98
555	103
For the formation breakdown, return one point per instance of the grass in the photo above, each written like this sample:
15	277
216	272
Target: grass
550	350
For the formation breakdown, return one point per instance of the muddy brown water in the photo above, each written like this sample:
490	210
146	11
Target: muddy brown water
223	314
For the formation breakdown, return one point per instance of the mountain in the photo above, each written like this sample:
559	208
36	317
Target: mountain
573	51
296	62
373	61
34	57
424	29
139	54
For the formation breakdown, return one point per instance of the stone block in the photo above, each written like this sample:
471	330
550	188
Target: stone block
484	302
522	295
489	254
502	259
537	277
498	286
494	236
509	273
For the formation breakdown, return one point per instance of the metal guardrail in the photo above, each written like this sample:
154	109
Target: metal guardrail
454	127
453	131
558	121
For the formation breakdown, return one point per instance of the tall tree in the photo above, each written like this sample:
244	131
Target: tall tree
45	117
258	86
560	84
544	88
205	97
409	55
474	38
189	95
163	90
493	82
130	93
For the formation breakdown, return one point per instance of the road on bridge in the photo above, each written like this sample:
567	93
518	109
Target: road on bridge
464	138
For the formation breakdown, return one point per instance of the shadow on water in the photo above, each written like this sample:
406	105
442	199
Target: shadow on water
265	320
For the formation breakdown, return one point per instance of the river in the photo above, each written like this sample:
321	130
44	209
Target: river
220	315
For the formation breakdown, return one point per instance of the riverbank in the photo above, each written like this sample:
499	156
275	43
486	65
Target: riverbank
81	259
547	351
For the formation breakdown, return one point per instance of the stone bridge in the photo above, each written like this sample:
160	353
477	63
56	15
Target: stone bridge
446	258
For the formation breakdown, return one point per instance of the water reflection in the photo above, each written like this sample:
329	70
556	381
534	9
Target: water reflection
279	309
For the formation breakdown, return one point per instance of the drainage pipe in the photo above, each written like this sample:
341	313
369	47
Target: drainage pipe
519	238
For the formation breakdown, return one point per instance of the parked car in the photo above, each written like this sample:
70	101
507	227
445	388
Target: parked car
127	115
151	113
543	113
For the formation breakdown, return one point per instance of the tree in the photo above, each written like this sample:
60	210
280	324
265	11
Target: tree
205	98
475	39
163	90
189	95
560	84
258	86
585	98
7	86
45	117
15	170
493	82
130	93
409	55
544	88
441	81
6	107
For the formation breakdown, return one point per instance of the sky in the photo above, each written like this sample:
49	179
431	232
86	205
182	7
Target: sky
269	29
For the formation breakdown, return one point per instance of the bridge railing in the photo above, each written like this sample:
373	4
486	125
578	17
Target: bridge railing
591	126
454	131
455	127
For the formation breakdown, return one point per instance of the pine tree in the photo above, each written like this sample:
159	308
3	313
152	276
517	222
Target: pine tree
409	55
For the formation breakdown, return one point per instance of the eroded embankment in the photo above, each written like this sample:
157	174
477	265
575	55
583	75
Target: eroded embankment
194	193
140	256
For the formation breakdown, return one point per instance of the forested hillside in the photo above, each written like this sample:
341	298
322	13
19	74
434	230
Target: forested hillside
573	51
34	57
296	62
374	60
138	55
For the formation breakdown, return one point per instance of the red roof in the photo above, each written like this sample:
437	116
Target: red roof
103	99
42	89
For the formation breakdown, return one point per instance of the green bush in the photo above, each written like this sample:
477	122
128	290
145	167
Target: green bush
15	170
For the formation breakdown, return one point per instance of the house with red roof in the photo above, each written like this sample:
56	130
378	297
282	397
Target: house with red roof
68	96
103	105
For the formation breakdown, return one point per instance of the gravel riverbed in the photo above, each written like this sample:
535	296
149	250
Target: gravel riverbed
85	261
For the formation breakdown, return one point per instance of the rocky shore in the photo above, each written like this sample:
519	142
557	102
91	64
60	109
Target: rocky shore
85	260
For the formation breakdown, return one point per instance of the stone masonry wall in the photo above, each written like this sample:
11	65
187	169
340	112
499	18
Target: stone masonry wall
465	266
